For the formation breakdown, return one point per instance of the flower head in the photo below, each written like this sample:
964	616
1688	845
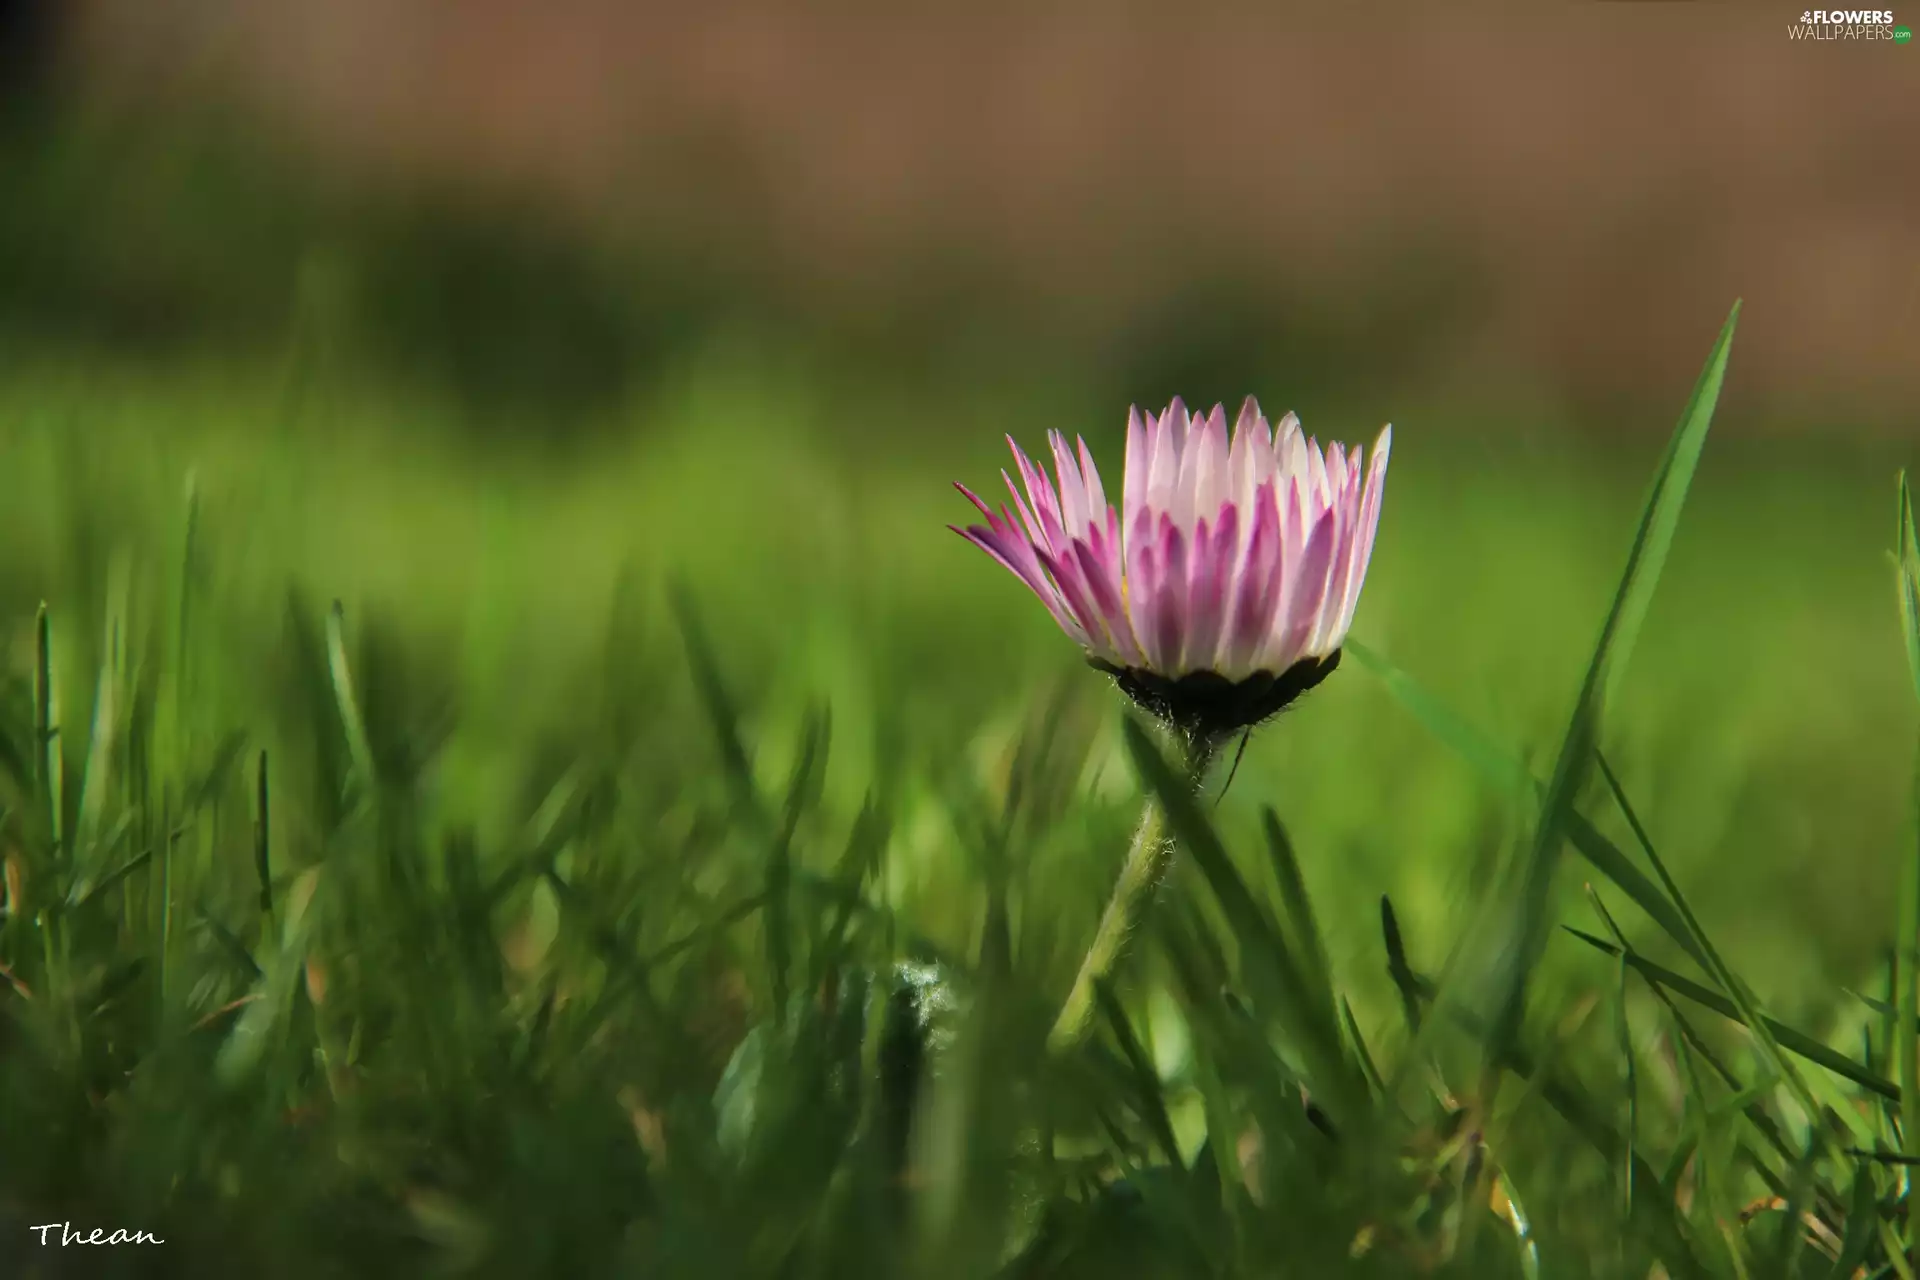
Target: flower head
1224	586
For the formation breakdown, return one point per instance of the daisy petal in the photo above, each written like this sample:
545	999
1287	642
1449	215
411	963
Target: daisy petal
1235	552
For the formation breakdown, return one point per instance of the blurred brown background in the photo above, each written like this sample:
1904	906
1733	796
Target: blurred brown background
1574	196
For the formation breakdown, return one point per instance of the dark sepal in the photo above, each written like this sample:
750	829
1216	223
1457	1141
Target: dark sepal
1206	706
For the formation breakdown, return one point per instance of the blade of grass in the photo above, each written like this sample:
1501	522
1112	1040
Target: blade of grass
1360	1052
1397	967
204	787
802	790
262	852
1908	582
1796	1230
112	878
1144	1080
865	845
46	756
1906	1035
1786	1037
1760	1026
103	737
1692	1047
1264	952
340	672
1861	1220
1653	1201
721	712
1479	750
1520	1224
1317	971
189	566
252	1036
1504	771
1659	519
1623	1028
1198	974
166	905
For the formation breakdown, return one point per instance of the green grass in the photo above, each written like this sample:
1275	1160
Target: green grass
513	920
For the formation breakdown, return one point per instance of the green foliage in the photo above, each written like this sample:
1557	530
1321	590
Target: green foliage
723	936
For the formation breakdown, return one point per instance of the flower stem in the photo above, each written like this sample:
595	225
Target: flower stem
1148	857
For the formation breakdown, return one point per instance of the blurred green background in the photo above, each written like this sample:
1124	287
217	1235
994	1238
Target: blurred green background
468	320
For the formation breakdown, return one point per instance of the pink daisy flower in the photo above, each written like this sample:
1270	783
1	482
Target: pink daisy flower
1224	586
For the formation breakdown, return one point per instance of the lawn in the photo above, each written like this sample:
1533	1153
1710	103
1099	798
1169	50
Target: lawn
668	855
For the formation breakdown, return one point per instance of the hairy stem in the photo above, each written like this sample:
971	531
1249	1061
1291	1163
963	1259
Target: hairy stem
1148	857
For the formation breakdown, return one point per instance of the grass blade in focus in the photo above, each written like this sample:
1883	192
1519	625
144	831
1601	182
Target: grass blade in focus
1906	1034
1646	559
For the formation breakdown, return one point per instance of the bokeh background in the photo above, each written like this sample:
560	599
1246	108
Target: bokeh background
468	314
